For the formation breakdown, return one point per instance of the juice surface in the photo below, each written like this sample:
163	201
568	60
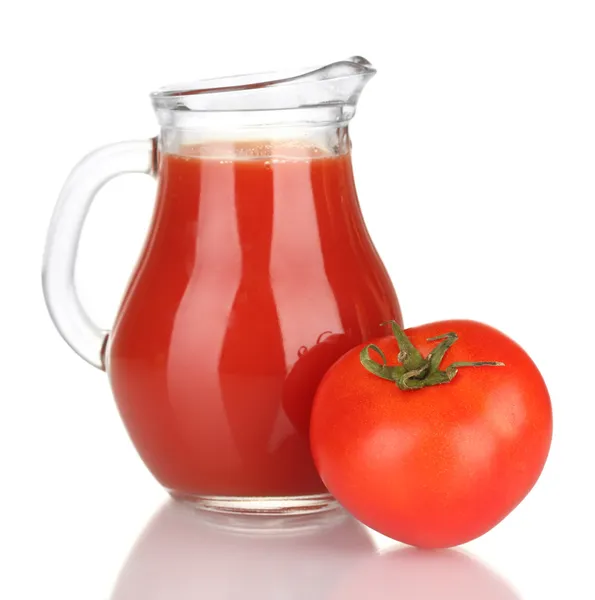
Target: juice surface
257	274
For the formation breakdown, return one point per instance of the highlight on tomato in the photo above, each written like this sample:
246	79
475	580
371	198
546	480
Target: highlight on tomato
432	455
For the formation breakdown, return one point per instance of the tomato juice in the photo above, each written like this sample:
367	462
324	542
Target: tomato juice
257	274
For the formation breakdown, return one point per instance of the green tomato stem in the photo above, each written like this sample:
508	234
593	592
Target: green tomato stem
416	372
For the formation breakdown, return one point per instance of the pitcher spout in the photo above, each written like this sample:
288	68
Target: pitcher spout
345	79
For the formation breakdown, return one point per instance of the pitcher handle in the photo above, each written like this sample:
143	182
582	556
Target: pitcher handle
86	179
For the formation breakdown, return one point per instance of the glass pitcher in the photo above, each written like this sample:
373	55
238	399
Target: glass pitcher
257	274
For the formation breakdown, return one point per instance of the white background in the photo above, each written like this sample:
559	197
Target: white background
474	150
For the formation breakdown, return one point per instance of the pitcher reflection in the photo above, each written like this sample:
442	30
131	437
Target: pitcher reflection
185	555
311	363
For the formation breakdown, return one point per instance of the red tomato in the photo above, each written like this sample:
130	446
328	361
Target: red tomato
441	465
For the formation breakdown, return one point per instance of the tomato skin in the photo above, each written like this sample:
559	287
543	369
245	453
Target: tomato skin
442	465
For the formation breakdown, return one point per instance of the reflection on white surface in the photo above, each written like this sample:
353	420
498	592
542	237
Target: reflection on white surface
410	574
185	555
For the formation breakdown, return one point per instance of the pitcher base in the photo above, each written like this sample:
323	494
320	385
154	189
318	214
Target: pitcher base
274	505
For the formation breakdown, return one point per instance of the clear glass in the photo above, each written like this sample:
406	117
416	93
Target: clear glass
257	274
94	171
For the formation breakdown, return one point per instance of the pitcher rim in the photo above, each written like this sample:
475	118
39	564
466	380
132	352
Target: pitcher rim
180	96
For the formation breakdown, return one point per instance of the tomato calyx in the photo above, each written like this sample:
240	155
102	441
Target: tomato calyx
416	371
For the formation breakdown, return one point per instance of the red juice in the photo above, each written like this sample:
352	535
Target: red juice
258	273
